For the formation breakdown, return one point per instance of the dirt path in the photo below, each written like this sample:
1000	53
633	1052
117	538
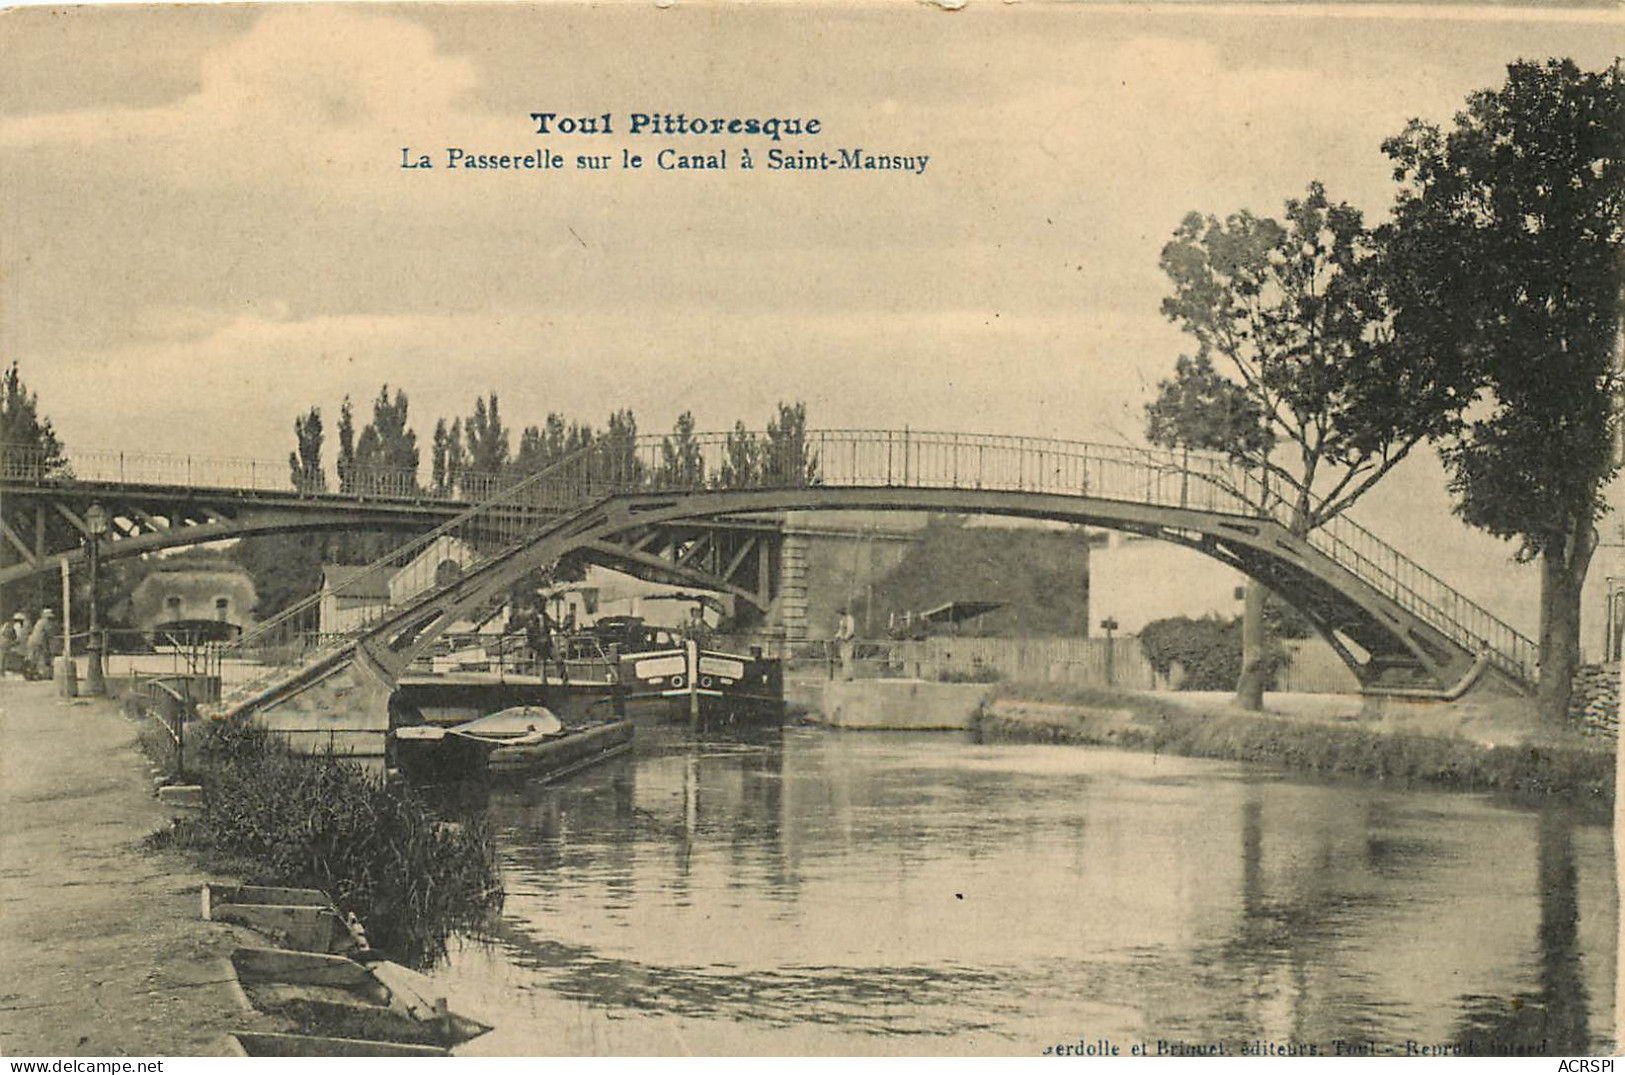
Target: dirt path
102	949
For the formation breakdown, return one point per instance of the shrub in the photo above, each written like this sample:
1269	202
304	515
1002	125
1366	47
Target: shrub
976	673
1208	649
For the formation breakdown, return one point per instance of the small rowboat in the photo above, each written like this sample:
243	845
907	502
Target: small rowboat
522	725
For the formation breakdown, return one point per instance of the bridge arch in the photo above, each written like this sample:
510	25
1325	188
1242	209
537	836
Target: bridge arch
1388	647
1414	634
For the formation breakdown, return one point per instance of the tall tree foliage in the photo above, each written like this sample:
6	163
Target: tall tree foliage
787	458
286	568
741	460
305	461
386	452
28	437
1202	409
781	456
345	464
448	458
532	450
617	459
23	427
1506	257
1313	399
487	438
682	463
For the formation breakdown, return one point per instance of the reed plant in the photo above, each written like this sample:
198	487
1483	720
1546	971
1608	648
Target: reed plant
410	873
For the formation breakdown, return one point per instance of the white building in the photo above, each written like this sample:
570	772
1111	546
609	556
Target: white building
611	593
350	598
1136	580
438	564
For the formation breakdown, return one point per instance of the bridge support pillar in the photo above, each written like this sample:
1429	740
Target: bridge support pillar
789	610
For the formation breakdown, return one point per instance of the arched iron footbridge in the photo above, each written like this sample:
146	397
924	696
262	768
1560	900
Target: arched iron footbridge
1399	627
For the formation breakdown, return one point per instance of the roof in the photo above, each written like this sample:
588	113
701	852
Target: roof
343	580
196	564
955	611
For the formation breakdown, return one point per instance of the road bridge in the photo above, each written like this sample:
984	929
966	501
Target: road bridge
1400	628
157	501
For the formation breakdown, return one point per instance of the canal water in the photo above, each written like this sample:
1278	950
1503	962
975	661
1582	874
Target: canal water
848	892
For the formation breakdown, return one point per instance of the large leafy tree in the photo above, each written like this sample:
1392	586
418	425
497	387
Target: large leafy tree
1507	247
1294	375
286	568
781	456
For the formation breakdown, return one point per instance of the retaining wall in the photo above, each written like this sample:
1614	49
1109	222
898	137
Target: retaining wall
1594	705
901	704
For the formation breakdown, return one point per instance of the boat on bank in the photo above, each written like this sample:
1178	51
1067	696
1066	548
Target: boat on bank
618	668
371	1006
701	685
656	675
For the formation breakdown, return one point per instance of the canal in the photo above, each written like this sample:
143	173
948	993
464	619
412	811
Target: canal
828	892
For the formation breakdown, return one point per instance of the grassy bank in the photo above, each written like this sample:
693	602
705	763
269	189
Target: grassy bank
1145	722
378	848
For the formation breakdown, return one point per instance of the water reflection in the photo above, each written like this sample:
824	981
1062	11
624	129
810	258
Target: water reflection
1551	1017
826	892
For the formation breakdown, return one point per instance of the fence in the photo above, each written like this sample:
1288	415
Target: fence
1312	666
168	702
1075	661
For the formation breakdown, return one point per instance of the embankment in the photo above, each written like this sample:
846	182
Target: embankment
1573	769
411	872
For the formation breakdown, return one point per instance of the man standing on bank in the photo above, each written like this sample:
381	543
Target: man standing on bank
846	632
39	644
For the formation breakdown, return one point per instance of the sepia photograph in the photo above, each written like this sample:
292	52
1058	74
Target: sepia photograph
811	529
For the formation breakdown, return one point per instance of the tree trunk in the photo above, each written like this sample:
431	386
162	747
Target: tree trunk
1250	685
1561	579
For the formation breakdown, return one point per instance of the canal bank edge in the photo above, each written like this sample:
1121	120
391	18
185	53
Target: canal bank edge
1572	767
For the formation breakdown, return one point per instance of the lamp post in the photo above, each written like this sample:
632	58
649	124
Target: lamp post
96	526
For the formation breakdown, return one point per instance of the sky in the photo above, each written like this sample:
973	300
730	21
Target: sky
205	227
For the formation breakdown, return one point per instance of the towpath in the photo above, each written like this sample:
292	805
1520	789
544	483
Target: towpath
102	948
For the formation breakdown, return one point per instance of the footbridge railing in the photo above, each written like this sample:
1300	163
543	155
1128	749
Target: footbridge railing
517	513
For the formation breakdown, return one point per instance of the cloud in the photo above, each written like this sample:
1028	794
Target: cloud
309	94
1078	374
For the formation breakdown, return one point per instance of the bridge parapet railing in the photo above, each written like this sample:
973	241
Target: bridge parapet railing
28	464
1427	596
1396	576
520	510
1156	477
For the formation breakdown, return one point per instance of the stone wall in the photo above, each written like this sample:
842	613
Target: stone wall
1594	705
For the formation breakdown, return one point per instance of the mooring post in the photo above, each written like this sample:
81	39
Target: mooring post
180	729
693	682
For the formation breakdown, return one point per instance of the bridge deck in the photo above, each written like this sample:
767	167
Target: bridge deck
1398	625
